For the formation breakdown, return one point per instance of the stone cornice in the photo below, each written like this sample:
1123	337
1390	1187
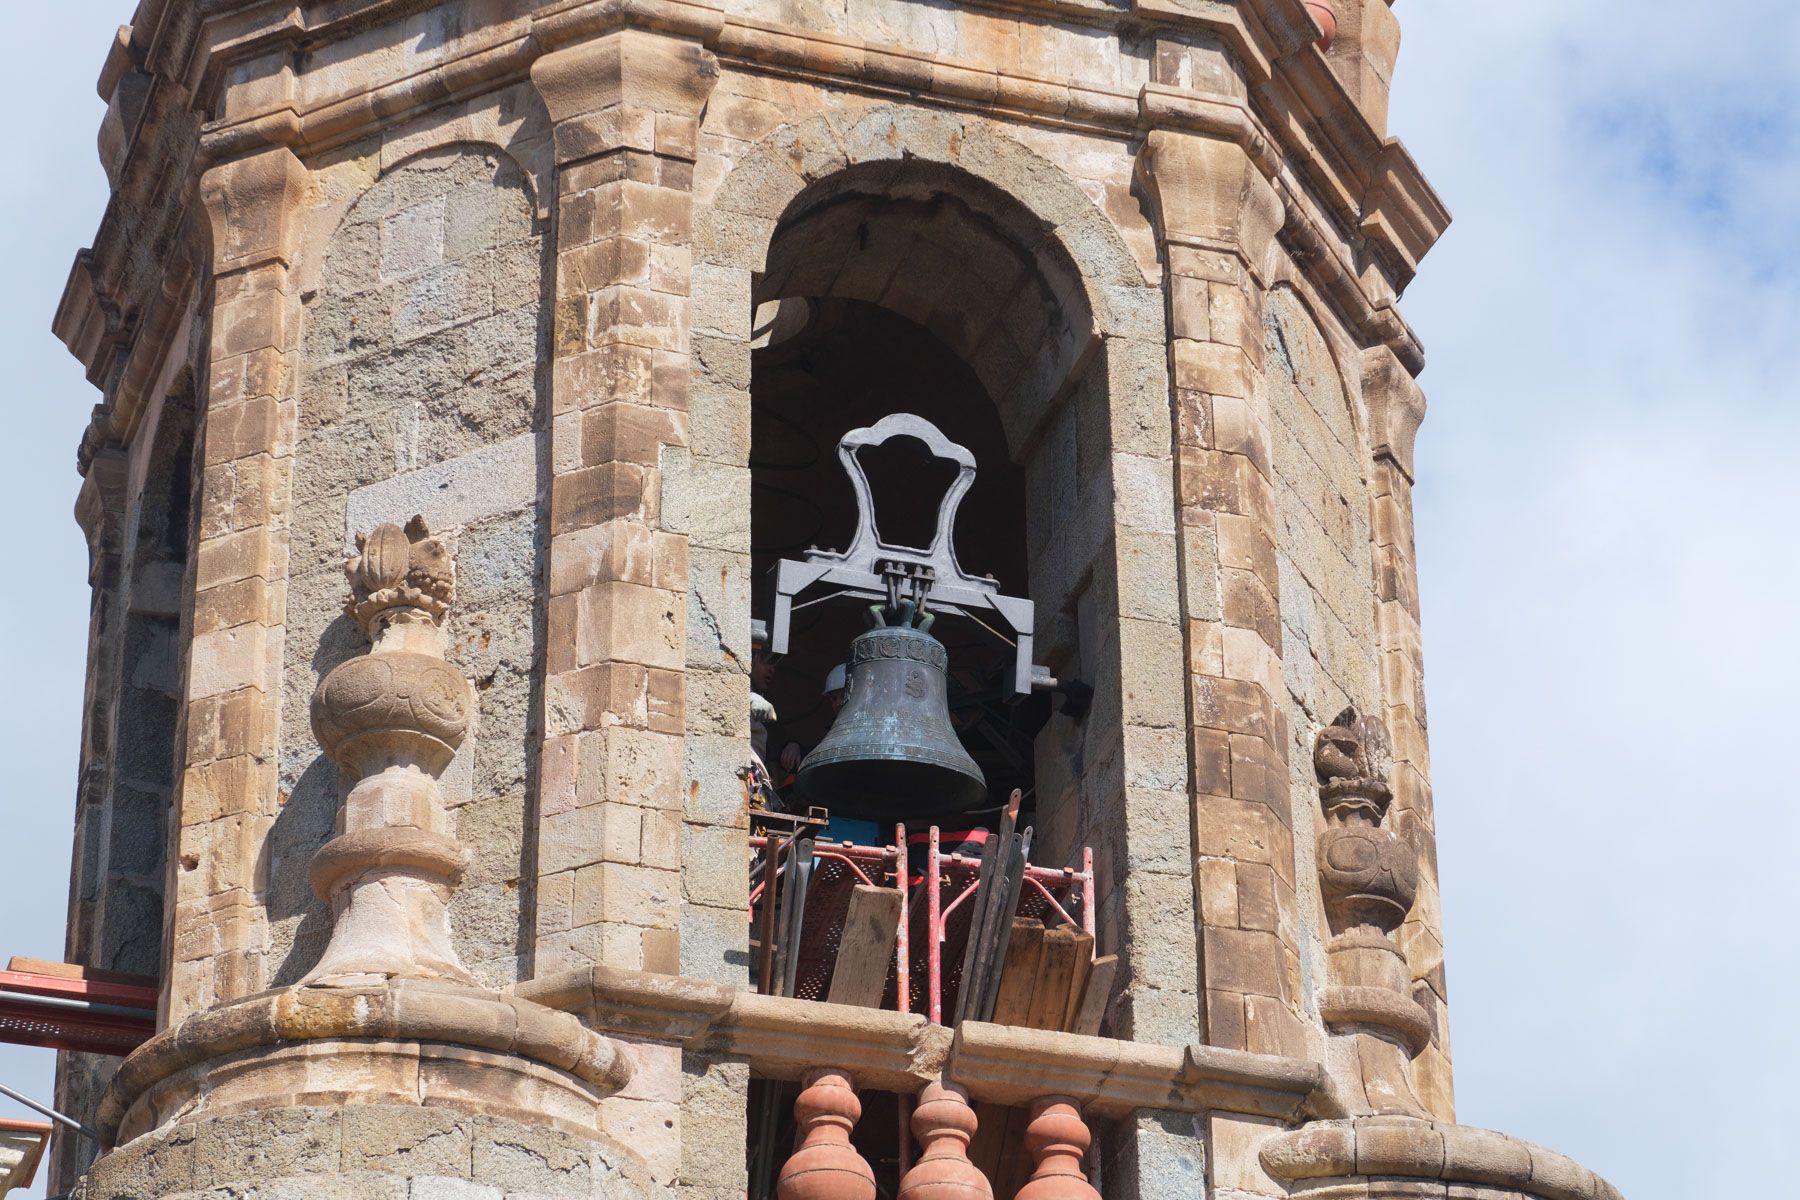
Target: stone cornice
1334	1151
1345	189
397	1010
783	1038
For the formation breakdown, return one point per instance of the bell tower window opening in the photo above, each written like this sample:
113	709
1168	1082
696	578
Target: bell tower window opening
845	365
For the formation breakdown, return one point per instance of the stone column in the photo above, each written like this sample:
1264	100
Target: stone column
229	782
100	508
625	106
1217	217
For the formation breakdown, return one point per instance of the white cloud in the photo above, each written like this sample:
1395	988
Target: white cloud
1608	483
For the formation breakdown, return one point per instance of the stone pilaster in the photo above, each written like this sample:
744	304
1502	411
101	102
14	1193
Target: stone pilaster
1217	216
229	782
1396	408
625	107
1363	55
101	509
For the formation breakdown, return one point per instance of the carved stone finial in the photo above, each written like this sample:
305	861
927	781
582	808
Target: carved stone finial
392	720
944	1123
1370	876
1352	760
399	568
826	1166
1057	1139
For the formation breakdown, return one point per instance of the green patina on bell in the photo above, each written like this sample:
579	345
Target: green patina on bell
892	753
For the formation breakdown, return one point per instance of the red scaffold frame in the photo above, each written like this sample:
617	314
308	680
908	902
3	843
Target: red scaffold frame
1051	892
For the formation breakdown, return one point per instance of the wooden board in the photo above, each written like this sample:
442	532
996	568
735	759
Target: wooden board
1063	951
866	948
1095	996
1018	978
1064	959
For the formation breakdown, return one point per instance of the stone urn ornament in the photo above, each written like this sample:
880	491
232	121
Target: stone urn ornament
392	721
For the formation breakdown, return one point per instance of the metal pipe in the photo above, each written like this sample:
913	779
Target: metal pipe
46	1110
91	1006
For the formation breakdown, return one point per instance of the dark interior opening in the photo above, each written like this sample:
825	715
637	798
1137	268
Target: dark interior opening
838	366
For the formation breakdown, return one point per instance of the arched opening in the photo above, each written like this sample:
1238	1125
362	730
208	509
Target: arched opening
912	288
922	263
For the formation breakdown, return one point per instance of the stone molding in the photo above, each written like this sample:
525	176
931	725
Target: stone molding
784	1038
1367	182
1334	1152
401	1010
1357	1005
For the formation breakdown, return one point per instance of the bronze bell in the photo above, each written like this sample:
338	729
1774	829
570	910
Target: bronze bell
892	754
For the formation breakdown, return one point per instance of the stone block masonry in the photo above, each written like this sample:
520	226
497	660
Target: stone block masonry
421	392
496	264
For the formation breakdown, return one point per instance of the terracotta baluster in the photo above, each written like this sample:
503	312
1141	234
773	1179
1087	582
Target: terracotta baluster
1325	13
826	1166
944	1123
1057	1139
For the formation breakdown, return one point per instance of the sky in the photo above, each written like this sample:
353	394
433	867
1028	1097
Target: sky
1607	500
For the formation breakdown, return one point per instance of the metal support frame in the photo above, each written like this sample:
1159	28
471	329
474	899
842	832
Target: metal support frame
879	571
1059	894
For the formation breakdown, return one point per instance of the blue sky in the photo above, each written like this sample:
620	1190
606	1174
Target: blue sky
1607	500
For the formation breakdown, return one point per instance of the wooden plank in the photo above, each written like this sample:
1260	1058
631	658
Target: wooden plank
1018	979
1013	1167
1012	882
1084	966
866	948
1012	1001
987	945
793	916
1064	953
1096	996
1056	975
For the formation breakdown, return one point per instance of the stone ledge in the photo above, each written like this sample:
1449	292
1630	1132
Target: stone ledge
394	1010
783	1038
1390	1147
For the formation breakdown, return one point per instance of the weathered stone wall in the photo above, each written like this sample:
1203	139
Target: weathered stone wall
390	335
1323	552
365	1152
422	392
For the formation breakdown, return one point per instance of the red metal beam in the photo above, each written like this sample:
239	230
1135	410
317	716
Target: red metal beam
63	1006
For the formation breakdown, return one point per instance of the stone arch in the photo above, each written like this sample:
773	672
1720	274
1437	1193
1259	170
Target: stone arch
1087	410
817	169
343	176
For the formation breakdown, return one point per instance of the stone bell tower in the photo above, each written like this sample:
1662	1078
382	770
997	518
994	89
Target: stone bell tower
466	368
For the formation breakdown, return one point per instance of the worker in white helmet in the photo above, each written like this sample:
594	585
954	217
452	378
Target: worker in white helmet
835	679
